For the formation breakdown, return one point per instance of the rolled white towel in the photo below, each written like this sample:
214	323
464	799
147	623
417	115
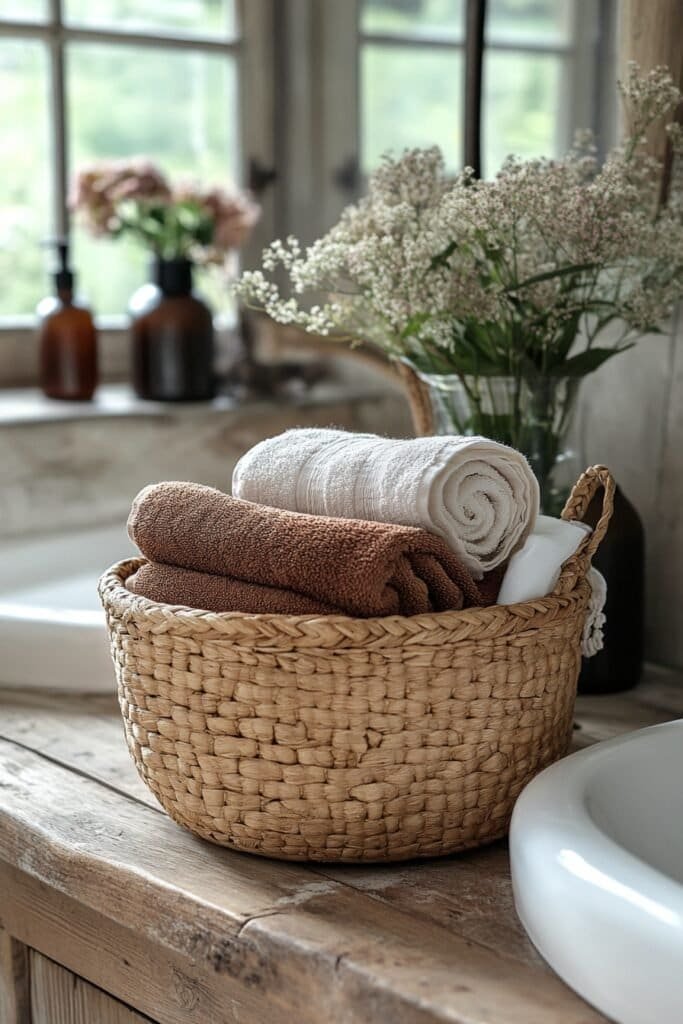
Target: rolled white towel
480	496
534	570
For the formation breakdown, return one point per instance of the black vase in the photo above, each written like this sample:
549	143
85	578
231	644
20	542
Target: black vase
621	560
172	338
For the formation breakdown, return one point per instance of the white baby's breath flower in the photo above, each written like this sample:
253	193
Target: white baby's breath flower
433	267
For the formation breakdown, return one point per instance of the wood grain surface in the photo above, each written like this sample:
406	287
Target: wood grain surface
95	876
15	1000
59	997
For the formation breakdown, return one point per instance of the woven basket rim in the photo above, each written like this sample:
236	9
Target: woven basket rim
492	620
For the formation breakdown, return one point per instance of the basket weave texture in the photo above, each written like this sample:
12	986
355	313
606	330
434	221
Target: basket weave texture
338	739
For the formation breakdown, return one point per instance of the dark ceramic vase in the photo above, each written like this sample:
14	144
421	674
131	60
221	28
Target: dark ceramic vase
172	338
621	560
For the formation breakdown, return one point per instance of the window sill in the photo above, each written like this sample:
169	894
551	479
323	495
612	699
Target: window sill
20	406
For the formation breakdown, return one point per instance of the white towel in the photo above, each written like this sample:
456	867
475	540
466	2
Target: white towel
535	569
480	496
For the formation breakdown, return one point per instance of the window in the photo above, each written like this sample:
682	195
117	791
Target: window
87	79
540	68
390	74
315	89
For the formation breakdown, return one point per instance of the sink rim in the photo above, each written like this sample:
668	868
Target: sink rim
48	645
573	815
27	614
606	920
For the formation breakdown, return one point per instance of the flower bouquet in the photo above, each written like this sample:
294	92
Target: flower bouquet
500	294
174	221
181	225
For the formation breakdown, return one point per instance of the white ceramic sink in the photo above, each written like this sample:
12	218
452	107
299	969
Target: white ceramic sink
52	631
597	867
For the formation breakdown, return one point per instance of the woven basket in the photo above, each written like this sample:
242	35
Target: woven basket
339	739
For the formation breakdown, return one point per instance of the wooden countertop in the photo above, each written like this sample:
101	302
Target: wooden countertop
94	875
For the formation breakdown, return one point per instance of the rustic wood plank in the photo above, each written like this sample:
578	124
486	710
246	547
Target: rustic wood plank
304	941
661	687
84	733
652	381
167	987
613	716
472	891
14	980
461	900
242	987
652	41
60	997
659	698
469	894
396	968
123	858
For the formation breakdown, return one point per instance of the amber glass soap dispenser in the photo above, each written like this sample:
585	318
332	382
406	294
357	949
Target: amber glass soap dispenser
68	339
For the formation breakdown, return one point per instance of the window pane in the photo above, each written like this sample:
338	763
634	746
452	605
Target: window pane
440	19
25	190
535	21
177	107
410	97
523	107
205	18
26	10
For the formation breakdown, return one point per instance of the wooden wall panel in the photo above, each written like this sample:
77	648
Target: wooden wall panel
631	414
60	997
14	981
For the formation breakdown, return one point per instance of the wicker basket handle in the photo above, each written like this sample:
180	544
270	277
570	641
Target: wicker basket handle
576	507
419	401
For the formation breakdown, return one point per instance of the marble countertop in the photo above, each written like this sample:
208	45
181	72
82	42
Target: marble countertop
67	465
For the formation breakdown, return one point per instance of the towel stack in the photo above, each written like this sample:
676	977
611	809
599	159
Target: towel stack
479	496
326	522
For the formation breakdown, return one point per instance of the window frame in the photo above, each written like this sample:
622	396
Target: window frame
299	110
321	154
251	47
581	54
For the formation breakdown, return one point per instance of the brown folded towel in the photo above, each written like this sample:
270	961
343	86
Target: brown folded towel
347	565
170	584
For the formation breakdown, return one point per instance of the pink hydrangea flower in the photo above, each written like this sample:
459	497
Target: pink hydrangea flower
114	197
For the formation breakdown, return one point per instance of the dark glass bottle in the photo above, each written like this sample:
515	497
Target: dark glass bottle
621	560
68	340
172	338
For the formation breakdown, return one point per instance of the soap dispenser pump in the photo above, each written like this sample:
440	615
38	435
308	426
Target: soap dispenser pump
68	339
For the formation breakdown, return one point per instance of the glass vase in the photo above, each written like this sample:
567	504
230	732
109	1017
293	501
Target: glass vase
533	415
